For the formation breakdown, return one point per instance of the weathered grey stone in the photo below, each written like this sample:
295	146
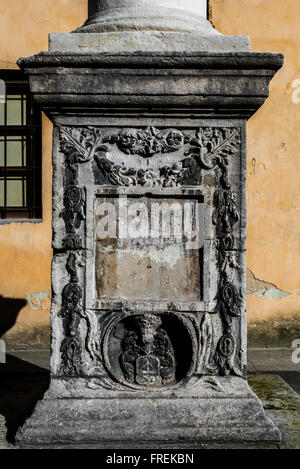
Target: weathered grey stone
148	335
159	15
210	411
193	83
151	41
160	26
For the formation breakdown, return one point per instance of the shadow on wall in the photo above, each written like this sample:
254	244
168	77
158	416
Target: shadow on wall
9	310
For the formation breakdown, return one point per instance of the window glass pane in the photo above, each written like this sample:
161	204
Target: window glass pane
16	178
14	109
16	151
16	192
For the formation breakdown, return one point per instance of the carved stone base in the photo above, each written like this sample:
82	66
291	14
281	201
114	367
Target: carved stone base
213	411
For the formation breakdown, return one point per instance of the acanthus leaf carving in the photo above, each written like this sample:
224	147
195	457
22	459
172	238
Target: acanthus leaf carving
212	146
79	144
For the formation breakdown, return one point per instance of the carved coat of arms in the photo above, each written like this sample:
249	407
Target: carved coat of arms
148	356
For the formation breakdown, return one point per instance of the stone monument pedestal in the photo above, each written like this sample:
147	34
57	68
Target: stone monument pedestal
212	412
148	332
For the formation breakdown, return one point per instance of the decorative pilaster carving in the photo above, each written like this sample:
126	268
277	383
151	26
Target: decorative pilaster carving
225	218
73	215
72	312
211	148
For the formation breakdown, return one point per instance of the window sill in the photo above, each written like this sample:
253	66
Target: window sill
9	221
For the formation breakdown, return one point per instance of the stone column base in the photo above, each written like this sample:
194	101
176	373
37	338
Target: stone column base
214	412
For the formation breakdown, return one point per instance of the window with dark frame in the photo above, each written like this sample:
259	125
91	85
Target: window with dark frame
20	150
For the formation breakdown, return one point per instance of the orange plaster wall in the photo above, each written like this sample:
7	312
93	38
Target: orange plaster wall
273	154
273	190
25	249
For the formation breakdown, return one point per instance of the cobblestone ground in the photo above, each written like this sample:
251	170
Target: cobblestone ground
273	376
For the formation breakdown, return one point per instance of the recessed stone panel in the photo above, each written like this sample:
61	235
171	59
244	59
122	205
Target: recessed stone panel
151	252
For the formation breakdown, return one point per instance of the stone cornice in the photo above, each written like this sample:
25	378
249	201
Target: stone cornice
214	60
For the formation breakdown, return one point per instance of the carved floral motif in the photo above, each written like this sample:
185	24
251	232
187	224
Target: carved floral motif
148	142
122	176
212	146
79	145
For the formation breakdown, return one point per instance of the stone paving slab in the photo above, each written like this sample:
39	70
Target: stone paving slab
282	404
276	359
